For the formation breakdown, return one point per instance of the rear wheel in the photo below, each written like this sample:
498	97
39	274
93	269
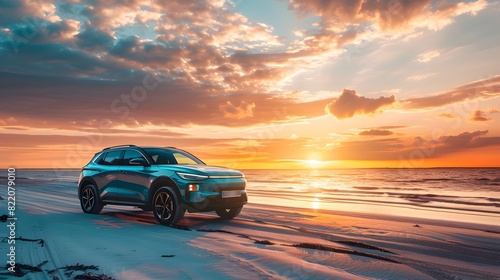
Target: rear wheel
228	213
166	207
89	200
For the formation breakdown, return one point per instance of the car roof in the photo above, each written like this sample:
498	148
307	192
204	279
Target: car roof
135	146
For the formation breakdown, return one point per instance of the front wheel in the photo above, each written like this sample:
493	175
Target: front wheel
228	213
89	200
166	207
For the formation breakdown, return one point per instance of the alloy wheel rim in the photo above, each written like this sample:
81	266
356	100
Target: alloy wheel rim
164	206
88	199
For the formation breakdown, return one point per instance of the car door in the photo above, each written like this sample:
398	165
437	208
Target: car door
108	181
135	178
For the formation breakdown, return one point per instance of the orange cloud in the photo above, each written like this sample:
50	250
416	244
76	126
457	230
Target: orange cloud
479	116
403	149
447	116
483	89
245	110
385	14
388	14
349	103
376	132
144	99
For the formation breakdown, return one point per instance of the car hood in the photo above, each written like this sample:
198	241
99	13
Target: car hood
203	170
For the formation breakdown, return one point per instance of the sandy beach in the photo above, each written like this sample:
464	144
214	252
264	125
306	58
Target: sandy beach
55	240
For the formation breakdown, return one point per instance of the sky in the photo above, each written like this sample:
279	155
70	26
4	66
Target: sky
252	84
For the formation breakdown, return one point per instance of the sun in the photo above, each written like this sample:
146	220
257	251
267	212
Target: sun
313	163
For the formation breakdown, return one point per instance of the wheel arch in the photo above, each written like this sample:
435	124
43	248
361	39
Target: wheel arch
163	181
85	181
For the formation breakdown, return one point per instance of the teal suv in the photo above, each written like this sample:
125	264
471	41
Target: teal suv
167	181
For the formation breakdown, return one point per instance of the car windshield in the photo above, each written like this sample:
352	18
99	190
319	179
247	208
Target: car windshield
171	156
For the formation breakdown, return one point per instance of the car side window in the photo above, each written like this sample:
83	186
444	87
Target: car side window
111	158
131	154
163	157
182	159
98	158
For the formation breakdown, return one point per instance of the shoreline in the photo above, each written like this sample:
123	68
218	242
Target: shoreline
386	217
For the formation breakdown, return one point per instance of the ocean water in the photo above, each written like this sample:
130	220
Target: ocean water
455	194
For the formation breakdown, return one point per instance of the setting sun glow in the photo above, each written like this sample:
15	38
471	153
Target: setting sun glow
313	163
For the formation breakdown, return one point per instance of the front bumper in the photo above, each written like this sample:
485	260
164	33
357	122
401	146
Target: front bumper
210	201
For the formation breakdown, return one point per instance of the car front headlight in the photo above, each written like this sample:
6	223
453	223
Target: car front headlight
189	176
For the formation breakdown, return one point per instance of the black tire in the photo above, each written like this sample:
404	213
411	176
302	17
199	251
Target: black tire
228	213
166	207
89	200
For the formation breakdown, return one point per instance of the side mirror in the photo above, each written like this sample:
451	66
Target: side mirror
138	161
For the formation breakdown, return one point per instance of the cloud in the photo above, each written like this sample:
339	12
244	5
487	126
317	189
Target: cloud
453	143
391	127
108	15
428	56
213	60
347	22
420	77
187	40
378	149
465	140
376	132
482	89
75	103
445	13
47	32
419	148
480	116
349	103
447	116
205	43
385	14
94	40
245	110
29	11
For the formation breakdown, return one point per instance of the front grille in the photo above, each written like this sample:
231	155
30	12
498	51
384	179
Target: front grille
218	187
